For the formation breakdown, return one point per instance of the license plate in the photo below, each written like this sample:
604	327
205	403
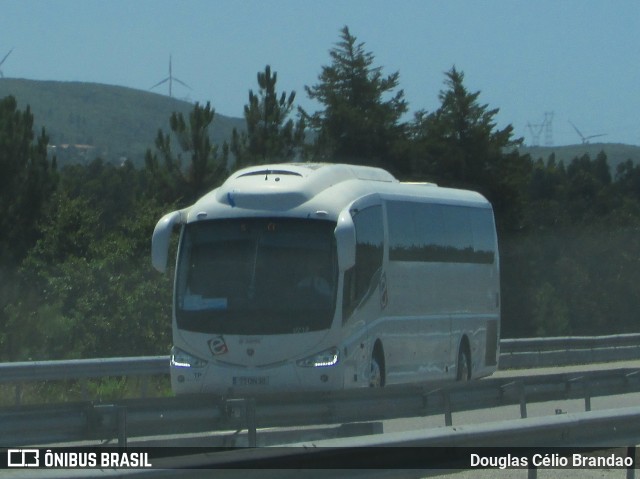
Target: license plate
250	380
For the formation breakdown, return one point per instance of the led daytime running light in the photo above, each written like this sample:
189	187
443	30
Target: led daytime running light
323	359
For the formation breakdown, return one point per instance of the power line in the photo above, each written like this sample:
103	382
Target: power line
537	129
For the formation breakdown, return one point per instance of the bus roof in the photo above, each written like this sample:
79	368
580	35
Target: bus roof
314	190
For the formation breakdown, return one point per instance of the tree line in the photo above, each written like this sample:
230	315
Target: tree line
75	274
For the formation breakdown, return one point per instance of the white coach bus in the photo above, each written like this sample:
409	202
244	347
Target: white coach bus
302	276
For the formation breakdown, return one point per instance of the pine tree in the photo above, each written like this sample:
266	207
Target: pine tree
460	145
27	180
271	136
168	180
359	123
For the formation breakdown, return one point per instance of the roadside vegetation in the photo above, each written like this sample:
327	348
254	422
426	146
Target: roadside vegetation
75	273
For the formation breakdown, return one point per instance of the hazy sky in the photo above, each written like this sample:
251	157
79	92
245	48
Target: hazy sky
578	59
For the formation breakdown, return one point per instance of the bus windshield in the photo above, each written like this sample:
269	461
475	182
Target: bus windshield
256	276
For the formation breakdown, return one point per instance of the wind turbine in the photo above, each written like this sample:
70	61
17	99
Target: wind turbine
2	61
170	79
585	139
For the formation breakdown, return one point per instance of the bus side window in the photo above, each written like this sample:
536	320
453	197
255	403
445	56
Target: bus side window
361	280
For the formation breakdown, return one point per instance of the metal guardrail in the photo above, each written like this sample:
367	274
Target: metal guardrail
121	420
436	449
417	453
18	373
134	418
570	350
515	353
27	371
569	343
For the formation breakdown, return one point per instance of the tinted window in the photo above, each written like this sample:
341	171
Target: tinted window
256	276
440	233
363	277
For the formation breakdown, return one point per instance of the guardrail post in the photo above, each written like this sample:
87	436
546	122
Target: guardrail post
587	390
122	426
521	395
631	470
587	395
523	400
106	421
446	399
245	407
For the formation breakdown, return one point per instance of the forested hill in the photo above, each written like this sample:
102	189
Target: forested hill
616	152
89	120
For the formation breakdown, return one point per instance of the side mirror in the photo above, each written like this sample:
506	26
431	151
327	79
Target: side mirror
345	234
160	239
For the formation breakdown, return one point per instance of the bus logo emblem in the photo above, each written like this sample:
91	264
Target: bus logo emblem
250	352
218	346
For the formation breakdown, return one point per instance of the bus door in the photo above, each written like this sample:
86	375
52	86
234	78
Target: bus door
362	283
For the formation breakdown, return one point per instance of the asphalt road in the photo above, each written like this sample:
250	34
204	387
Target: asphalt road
533	410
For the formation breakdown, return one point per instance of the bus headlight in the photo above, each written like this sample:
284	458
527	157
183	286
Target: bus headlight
323	359
182	359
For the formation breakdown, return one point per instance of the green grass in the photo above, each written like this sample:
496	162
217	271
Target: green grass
98	390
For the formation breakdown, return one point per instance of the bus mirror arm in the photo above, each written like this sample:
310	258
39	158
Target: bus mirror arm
345	234
160	239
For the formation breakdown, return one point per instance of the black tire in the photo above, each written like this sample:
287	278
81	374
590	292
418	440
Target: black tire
464	365
376	375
